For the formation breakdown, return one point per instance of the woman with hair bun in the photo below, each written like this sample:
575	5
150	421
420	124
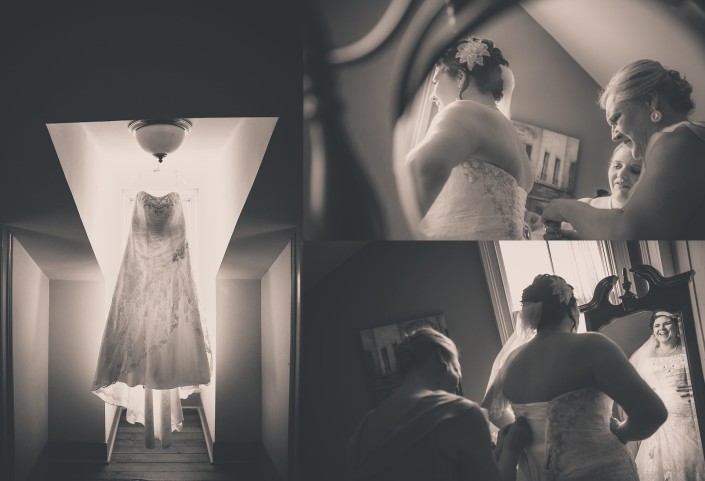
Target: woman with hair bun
674	451
565	384
424	431
469	176
647	107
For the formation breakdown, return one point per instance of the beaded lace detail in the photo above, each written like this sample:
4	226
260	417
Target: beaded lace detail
154	295
573	431
479	201
673	453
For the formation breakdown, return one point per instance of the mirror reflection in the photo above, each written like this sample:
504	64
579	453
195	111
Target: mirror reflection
526	128
653	341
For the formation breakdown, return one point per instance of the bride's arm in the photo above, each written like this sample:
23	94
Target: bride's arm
449	141
616	377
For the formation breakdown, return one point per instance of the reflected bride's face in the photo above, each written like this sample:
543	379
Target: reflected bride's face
445	88
664	329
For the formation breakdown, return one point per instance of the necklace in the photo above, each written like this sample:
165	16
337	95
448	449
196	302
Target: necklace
669	352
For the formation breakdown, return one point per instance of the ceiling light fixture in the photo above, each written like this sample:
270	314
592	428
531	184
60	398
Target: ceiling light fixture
160	137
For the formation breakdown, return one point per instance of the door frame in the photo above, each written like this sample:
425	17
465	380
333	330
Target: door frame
295	354
7	425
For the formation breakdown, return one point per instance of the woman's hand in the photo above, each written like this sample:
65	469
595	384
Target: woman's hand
614	427
533	220
552	211
515	436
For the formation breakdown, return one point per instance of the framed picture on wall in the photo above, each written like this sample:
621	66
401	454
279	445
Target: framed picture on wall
554	160
378	344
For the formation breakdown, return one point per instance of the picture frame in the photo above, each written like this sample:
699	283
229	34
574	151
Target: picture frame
554	161
378	344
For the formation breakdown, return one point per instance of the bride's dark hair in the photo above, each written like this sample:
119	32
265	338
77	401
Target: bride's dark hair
488	76
545	289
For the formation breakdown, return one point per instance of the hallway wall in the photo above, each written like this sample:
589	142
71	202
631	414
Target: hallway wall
77	314
238	406
30	348
276	350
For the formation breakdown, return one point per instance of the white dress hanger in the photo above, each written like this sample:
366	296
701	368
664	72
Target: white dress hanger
158	182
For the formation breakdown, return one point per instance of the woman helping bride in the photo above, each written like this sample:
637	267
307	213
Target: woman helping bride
469	177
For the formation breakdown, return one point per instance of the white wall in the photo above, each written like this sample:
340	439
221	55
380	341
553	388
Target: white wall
276	336
76	310
238	404
30	348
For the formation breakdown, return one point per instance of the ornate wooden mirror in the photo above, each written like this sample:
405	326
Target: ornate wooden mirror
629	325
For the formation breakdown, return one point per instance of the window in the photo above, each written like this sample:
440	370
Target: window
510	266
544	167
556	171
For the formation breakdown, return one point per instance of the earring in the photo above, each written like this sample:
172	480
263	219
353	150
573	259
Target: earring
656	116
460	91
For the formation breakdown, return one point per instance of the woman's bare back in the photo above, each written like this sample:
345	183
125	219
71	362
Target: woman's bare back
546	368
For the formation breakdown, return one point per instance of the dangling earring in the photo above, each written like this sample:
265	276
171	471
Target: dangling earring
656	115
460	91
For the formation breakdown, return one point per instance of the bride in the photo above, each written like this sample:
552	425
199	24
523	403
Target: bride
470	175
564	384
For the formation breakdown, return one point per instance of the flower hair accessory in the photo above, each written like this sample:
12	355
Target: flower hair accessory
472	52
562	290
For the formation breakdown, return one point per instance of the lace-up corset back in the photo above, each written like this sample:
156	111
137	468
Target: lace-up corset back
569	433
479	201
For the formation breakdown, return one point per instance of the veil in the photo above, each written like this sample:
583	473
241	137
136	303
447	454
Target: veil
505	103
640	360
498	407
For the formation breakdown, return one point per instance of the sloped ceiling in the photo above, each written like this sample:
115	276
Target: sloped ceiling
604	35
85	62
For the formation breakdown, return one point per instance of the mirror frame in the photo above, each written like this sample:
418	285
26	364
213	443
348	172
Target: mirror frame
667	293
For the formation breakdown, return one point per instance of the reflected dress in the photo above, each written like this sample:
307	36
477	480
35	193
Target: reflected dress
155	349
673	453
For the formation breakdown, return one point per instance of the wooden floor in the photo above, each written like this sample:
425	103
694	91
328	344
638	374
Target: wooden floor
185	460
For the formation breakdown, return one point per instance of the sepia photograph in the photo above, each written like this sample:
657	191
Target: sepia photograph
579	360
417	117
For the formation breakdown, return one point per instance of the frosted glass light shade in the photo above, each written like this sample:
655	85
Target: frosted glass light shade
160	137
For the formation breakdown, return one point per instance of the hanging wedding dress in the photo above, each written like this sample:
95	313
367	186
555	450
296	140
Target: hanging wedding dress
155	348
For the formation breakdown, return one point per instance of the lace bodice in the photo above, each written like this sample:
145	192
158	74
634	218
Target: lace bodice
673	453
569	433
479	201
665	374
155	293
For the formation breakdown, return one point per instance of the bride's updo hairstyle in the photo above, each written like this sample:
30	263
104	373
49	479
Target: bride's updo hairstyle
638	79
479	58
546	302
422	344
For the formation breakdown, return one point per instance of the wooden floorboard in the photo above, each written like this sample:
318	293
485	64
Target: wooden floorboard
185	460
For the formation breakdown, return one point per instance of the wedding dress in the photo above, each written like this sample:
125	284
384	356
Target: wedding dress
155	349
479	201
572	441
571	437
673	453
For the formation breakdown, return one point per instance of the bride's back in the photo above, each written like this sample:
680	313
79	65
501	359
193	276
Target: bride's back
498	142
547	367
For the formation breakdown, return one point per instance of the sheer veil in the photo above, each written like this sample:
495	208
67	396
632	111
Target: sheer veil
498	407
641	359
